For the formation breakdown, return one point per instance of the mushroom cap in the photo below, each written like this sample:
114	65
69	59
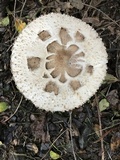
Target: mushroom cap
58	62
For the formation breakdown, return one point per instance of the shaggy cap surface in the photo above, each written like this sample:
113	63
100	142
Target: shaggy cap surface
58	62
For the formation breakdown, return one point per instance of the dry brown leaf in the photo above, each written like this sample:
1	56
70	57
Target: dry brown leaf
37	128
93	20
75	131
67	5
32	147
97	129
113	97
111	29
115	141
109	78
96	2
19	25
77	4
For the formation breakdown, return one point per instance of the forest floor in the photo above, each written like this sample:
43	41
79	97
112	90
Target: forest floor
86	133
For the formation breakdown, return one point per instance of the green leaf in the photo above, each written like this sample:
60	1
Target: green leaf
109	78
3	106
103	104
54	155
5	21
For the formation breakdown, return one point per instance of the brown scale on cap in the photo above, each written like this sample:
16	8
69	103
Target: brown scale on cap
45	76
52	87
75	84
64	36
33	63
89	69
44	35
79	36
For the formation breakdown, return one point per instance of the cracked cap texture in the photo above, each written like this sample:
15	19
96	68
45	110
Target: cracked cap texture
58	62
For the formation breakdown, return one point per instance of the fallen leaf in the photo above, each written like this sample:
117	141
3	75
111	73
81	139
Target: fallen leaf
37	128
93	20
19	25
103	104
113	97
112	30
96	2
115	141
54	155
3	106
41	1
85	131
67	5
75	131
116	113
97	129
32	147
44	147
109	78
5	21
77	4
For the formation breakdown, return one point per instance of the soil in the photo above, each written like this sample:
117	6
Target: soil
28	133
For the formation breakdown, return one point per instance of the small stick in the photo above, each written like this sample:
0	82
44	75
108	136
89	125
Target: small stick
100	127
15	110
22	8
71	136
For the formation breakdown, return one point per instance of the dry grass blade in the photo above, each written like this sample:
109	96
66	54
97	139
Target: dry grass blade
71	135
100	126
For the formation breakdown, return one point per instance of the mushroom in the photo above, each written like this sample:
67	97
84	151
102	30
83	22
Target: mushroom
58	62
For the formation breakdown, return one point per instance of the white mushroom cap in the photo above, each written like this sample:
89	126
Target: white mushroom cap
58	62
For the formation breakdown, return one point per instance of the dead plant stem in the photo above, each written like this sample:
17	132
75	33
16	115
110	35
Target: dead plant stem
22	8
100	128
71	136
14	9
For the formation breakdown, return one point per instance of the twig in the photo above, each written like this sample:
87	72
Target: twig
117	64
22	8
104	129
109	155
104	135
18	154
87	9
14	9
15	110
102	13
53	143
71	136
100	128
